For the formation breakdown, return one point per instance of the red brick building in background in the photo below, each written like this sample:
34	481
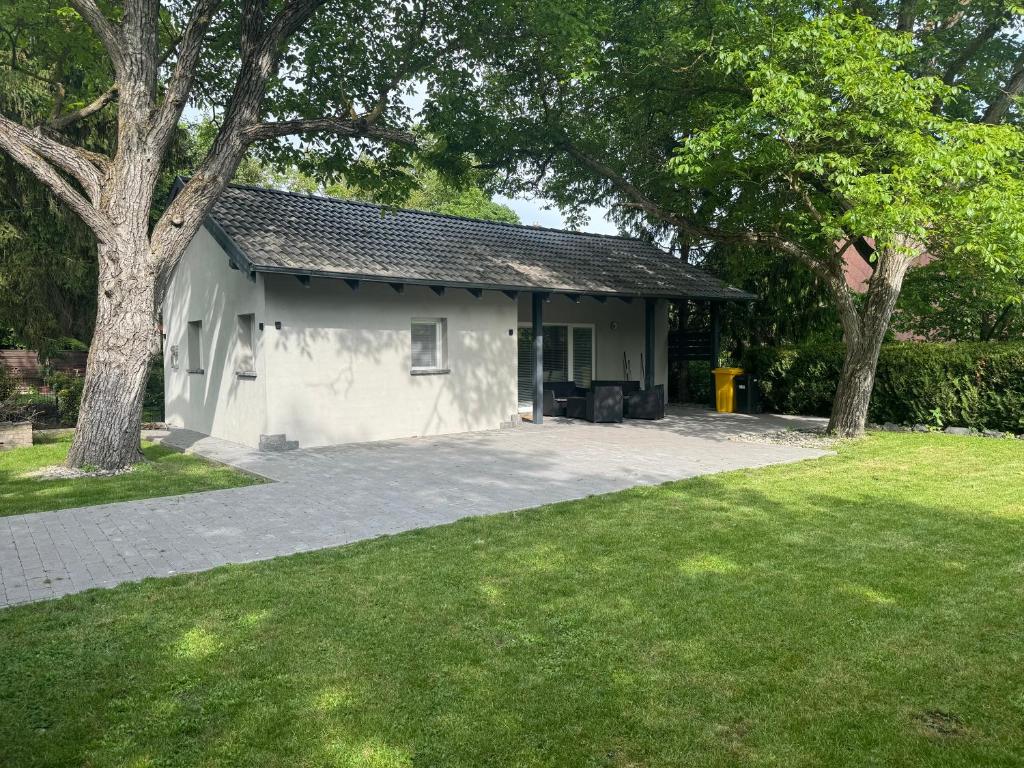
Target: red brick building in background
858	271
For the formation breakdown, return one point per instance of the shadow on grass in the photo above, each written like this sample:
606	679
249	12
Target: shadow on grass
164	473
802	615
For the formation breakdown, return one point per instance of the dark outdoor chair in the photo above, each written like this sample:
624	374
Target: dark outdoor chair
555	394
646	404
627	387
601	404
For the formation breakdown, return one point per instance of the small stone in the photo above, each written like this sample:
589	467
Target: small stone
992	433
921	428
890	427
957	431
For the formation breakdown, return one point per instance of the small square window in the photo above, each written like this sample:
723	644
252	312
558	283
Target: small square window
429	345
195	349
245	364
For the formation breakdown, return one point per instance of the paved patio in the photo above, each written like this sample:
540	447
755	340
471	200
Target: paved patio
325	497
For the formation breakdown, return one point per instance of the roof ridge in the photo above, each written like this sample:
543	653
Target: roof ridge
437	214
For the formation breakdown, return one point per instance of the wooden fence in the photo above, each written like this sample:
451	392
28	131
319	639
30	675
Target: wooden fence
28	370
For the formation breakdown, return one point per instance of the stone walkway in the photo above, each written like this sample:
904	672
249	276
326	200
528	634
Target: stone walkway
324	497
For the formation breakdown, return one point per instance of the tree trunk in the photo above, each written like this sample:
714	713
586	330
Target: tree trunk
853	395
110	417
865	331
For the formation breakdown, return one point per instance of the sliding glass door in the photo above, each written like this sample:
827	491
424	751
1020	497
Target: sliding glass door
568	356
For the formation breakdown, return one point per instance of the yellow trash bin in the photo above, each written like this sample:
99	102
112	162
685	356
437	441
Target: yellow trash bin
724	389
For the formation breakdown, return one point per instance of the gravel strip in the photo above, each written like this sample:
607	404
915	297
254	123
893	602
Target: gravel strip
799	438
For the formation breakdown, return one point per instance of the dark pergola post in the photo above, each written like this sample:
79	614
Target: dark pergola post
716	343
538	358
683	392
649	319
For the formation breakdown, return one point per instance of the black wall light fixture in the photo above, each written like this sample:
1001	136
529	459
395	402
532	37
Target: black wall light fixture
277	324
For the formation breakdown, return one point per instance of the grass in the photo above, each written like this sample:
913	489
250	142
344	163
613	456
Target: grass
167	472
866	609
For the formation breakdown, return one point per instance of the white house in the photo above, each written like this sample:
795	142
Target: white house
318	321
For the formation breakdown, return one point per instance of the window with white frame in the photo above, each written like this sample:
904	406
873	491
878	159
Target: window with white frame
195	346
245	364
429	345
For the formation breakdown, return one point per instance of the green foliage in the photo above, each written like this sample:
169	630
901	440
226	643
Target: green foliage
153	399
792	306
850	137
976	385
67	388
957	297
6	383
427	188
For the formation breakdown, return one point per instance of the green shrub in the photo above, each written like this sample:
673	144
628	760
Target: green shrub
153	401
67	388
975	385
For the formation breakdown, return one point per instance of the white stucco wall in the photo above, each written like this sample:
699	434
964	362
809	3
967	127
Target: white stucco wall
339	367
216	402
610	344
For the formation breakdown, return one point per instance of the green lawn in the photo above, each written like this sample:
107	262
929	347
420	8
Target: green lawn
167	472
862	610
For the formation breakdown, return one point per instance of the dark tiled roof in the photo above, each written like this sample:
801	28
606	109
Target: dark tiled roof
276	231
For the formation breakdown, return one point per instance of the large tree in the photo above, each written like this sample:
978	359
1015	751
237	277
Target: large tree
790	126
332	72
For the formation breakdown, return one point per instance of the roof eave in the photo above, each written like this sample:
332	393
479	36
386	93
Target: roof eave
332	275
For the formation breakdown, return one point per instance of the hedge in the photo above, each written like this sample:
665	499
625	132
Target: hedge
978	385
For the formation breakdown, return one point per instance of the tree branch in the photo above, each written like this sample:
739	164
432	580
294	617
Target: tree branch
107	31
403	63
291	17
80	165
341	126
999	106
61	122
180	85
905	16
38	166
971	49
